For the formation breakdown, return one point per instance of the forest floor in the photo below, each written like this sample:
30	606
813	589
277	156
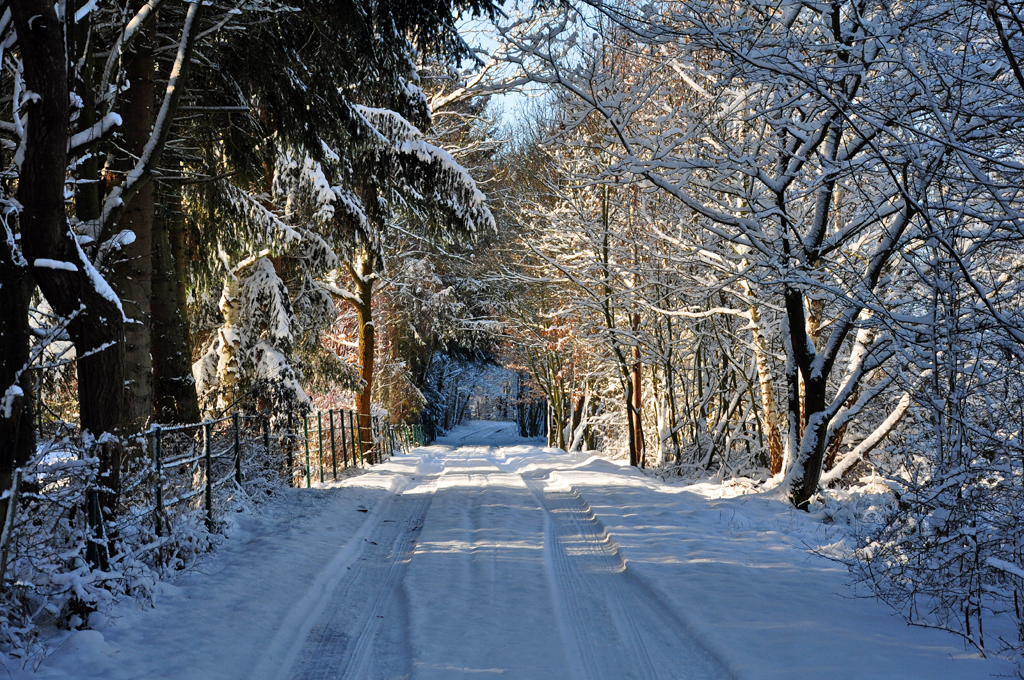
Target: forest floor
488	555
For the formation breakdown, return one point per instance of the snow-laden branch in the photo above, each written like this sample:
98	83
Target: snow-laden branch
869	443
95	133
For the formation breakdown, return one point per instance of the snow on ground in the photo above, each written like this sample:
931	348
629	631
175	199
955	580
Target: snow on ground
487	555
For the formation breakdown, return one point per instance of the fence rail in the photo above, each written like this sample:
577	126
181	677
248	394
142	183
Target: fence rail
189	463
66	520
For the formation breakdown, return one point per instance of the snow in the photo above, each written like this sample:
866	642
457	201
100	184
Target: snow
84	10
45	263
486	554
12	393
102	127
1003	565
100	284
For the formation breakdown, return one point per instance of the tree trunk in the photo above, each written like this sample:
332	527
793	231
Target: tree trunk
87	193
229	364
17	431
636	456
174	388
76	290
363	278
766	387
133	269
807	422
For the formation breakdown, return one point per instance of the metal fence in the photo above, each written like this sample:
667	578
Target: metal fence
190	463
68	539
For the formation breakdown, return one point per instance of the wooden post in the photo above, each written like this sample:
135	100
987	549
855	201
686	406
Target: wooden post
344	446
320	442
374	445
158	484
357	438
238	451
288	453
305	437
266	436
209	475
334	451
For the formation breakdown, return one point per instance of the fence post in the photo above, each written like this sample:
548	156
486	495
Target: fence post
158	521
375	446
266	436
320	440
209	475
305	437
288	439
344	447
355	438
334	452
238	452
97	551
380	448
358	438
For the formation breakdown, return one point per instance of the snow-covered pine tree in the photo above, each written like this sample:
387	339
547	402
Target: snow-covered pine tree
331	155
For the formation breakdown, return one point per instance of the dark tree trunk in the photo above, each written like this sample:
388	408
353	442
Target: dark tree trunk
97	327
630	430
174	389
635	404
133	268
808	423
17	431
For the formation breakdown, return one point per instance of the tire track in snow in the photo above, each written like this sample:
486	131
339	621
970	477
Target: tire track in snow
364	633
355	626
619	628
286	643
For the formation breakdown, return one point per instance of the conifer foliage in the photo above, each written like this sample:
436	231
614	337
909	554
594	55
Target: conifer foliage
219	161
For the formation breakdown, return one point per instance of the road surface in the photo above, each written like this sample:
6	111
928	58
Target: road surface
485	555
473	570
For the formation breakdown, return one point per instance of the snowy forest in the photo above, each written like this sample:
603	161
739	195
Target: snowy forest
775	244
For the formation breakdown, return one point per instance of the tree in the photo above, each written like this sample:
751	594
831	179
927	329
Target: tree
345	158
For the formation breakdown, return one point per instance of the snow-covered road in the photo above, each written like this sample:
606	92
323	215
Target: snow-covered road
486	555
470	569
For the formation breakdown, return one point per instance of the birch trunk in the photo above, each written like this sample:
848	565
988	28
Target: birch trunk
766	386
